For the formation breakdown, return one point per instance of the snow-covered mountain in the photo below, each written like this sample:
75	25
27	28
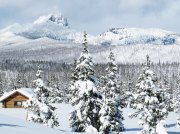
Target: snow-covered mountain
52	26
55	26
132	36
51	38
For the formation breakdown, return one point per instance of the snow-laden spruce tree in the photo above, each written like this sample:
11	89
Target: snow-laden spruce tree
150	101
129	93
57	90
39	109
177	103
167	91
121	86
74	77
85	97
110	114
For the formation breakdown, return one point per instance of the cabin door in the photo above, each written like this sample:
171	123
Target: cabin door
5	104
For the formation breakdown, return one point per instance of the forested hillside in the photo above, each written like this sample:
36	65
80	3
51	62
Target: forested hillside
15	74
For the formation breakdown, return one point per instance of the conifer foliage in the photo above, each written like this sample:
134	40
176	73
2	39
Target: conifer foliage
110	114
129	93
85	97
177	103
150	101
39	109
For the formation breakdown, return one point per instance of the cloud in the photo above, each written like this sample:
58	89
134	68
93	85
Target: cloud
96	16
14	3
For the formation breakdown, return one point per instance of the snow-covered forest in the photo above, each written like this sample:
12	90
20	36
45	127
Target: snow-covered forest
98	93
15	73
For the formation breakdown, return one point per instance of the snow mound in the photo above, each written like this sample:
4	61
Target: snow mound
161	129
91	129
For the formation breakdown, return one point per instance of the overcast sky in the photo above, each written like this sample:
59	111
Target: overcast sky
96	16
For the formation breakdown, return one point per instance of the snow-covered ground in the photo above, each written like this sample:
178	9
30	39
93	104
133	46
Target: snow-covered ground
14	121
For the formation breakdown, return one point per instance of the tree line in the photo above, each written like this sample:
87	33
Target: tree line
15	74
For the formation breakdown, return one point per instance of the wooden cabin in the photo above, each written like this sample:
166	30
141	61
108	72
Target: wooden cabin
16	98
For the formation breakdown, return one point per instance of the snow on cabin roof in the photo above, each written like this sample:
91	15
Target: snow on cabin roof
28	92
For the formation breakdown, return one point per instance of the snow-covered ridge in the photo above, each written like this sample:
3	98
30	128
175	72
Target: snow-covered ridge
56	27
132	36
53	34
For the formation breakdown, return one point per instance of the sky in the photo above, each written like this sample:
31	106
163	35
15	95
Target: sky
96	16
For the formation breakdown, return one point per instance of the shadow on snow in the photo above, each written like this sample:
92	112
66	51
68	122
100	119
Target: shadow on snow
170	125
173	132
133	129
66	131
10	125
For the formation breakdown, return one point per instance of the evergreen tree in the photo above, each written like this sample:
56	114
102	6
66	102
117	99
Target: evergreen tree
57	90
129	93
74	77
102	85
122	87
40	111
2	88
177	103
85	97
151	102
110	114
167	91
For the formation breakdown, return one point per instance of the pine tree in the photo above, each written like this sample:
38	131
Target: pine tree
74	77
150	101
110	114
57	90
177	103
101	85
122	86
40	111
85	97
167	91
129	93
1	86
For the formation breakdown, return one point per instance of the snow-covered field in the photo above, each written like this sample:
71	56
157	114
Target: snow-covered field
14	121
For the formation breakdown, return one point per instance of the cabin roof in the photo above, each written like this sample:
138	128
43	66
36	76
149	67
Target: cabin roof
27	92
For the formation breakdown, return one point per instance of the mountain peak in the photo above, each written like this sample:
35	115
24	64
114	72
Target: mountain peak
56	18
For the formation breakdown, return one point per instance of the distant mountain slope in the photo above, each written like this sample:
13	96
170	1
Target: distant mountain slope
51	38
55	26
52	26
132	36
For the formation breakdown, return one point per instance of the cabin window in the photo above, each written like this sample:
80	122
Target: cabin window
18	103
